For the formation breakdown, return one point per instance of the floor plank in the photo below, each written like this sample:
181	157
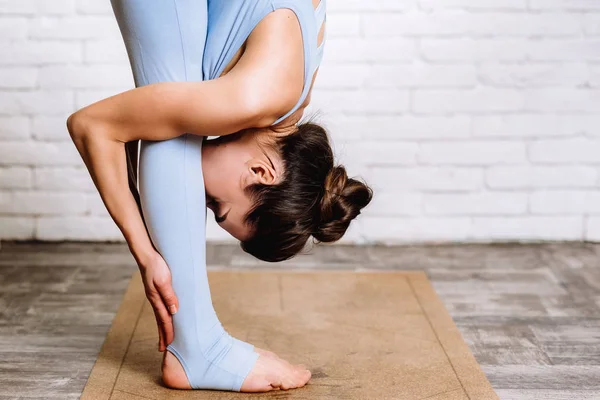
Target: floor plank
529	313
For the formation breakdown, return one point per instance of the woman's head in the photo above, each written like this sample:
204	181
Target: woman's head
291	190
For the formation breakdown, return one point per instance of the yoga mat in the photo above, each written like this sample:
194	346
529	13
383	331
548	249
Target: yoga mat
363	335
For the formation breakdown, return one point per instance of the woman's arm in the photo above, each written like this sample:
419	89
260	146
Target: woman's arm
106	162
163	111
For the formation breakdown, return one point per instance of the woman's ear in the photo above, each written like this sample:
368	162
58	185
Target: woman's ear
262	172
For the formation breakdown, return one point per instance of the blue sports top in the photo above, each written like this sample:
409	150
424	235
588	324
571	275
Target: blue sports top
230	22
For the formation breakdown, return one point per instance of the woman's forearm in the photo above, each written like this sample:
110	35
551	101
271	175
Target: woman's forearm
105	160
166	110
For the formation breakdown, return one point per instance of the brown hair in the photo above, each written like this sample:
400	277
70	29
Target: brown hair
314	198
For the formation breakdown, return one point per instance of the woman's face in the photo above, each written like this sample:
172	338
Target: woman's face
231	163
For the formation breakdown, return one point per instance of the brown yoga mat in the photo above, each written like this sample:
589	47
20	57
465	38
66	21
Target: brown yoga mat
375	335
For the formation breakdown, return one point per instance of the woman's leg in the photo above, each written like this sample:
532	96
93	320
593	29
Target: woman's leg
165	42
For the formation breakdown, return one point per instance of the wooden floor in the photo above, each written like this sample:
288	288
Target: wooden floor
529	313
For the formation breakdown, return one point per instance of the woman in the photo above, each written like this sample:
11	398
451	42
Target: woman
270	182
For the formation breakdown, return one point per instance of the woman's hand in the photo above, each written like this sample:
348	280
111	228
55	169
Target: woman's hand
156	276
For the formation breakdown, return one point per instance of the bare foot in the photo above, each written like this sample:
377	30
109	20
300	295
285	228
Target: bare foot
269	372
272	372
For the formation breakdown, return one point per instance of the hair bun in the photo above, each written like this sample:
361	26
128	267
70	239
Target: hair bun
342	201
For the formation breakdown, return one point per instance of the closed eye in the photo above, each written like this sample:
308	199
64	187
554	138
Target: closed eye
221	218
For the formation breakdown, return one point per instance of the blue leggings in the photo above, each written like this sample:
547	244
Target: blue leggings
165	41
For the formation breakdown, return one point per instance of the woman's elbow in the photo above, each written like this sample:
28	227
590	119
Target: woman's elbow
260	110
77	125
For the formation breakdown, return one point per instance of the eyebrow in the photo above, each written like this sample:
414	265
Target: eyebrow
222	218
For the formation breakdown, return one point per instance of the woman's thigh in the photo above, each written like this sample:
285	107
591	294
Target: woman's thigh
165	39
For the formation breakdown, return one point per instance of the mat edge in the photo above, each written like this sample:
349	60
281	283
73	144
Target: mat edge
105	371
468	370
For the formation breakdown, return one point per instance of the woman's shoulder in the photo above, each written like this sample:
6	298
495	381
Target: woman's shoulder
273	61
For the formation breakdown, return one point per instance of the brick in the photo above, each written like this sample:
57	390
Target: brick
84	98
436	101
50	128
5	200
594	80
509	49
16	228
408	230
414	23
14	128
18	78
381	76
342	76
527	228
21	52
399	204
421	76
18	7
491	203
86	76
519	126
563	50
572	5
474	5
39	153
95	204
400	127
538	177
355	234
562	100
368	50
63	179
380	153
565	202
74	28
15	178
473	50
94	7
591	24
369	5
56	7
519	75
426	179
77	228
524	24
592	229
46	102
343	25
44	203
106	51
366	101
472	153
13	28
565	150
450	22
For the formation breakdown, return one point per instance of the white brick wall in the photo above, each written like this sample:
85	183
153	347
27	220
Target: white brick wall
472	120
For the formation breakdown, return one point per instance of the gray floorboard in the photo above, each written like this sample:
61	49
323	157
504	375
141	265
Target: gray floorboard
529	313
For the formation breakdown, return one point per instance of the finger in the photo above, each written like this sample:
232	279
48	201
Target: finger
165	320
168	296
159	314
161	341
